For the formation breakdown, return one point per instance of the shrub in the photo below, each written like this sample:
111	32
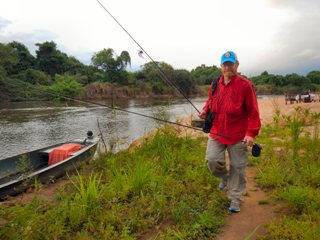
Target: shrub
65	86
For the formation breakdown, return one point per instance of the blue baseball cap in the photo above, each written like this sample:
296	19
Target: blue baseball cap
229	57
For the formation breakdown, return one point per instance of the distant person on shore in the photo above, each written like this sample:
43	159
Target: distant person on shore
235	125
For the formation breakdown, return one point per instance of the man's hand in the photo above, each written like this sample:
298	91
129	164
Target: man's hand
202	115
248	140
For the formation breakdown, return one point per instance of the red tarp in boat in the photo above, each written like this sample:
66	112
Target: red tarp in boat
62	152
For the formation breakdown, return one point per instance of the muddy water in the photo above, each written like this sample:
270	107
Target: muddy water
31	125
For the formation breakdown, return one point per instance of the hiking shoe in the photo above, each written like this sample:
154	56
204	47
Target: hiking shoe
234	207
223	185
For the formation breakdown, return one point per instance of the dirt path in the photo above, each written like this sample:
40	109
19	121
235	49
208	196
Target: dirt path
253	216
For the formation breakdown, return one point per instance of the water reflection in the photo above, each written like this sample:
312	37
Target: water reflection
31	125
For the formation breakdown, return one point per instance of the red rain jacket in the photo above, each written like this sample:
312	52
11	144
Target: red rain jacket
236	110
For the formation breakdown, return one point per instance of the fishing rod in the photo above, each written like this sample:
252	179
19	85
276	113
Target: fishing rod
162	74
256	148
113	107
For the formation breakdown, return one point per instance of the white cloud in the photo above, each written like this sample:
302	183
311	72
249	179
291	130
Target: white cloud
296	48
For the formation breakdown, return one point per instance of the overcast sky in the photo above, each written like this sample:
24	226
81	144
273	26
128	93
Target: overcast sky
280	36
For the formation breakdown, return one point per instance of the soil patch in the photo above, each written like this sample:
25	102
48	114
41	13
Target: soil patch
254	215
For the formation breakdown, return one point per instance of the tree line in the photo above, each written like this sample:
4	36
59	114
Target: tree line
52	69
292	83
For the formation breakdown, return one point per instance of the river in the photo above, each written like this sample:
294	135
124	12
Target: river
26	126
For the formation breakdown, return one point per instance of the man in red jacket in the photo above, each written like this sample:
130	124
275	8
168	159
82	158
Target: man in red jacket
235	125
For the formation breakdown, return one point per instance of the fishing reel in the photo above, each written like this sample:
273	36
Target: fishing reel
256	150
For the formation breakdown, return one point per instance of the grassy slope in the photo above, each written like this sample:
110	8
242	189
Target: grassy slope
16	90
163	189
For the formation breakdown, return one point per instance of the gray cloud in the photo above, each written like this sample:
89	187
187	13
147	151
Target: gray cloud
296	47
295	4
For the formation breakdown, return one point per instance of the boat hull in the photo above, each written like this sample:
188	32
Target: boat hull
44	173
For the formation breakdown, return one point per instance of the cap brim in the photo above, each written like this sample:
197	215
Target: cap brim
228	60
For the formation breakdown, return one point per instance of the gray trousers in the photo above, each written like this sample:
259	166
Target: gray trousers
238	156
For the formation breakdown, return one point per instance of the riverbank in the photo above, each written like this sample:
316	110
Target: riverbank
11	91
98	91
152	192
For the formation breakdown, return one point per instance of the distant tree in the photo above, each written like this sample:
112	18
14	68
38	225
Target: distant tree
204	74
157	75
157	87
73	65
183	80
297	80
25	59
269	79
155	72
280	80
50	59
3	73
314	77
65	86
34	76
132	78
114	66
124	60
140	75
92	73
8	59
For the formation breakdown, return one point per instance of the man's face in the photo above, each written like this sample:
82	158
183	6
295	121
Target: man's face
229	69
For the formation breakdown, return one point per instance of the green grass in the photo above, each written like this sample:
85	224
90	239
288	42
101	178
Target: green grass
289	168
162	190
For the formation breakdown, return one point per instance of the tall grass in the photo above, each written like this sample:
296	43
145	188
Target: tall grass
140	177
86	201
296	123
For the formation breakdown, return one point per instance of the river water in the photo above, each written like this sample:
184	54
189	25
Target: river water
27	126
